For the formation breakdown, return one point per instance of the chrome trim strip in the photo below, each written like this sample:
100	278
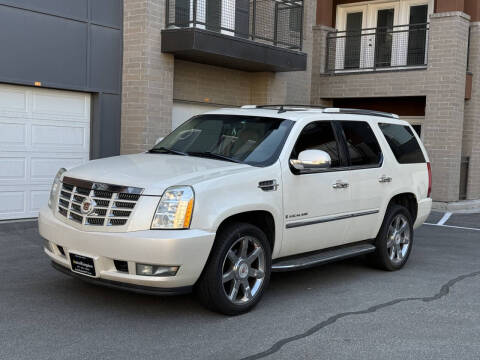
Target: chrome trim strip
85	184
328	219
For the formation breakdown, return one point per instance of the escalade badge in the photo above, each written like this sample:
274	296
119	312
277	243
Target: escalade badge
87	206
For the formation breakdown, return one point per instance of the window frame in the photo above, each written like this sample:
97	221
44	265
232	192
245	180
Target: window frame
345	146
415	136
275	155
341	151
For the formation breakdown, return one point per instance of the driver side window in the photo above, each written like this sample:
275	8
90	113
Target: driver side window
318	136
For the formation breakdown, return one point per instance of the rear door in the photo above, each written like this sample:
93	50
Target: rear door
370	179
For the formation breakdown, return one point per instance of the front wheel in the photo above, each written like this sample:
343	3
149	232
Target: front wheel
394	240
238	270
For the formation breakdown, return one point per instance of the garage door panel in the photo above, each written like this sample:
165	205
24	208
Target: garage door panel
41	130
24	168
38	199
43	170
67	106
12	203
13	133
13	170
13	100
74	138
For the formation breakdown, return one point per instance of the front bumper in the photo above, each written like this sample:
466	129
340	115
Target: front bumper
149	290
188	249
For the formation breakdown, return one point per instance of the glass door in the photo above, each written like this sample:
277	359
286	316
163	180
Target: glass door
382	18
384	37
353	40
350	43
366	42
417	39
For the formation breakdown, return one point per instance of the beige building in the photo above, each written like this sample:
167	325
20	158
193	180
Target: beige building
417	58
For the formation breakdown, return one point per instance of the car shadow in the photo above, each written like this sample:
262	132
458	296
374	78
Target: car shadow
83	295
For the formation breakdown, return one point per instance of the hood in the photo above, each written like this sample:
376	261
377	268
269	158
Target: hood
154	172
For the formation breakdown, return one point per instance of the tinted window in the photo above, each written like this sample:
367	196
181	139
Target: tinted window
318	136
362	145
248	139
403	143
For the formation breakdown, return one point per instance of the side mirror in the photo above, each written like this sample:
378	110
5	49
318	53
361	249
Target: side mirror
159	139
312	160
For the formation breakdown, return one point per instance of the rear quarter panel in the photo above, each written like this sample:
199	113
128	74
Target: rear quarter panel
407	178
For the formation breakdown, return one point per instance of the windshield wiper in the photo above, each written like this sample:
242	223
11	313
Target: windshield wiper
211	155
164	150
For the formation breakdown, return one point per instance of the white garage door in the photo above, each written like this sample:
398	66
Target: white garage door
41	130
182	111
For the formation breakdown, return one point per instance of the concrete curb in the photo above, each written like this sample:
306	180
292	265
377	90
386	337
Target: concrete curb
467	205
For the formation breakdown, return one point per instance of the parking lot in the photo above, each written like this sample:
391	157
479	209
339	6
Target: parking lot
429	310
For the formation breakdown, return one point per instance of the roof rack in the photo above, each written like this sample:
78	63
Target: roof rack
285	107
294	107
361	112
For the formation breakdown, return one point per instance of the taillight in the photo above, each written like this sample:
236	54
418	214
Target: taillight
429	168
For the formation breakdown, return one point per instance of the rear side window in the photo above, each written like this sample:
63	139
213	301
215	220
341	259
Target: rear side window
403	143
362	145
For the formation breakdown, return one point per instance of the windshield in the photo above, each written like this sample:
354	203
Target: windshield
245	139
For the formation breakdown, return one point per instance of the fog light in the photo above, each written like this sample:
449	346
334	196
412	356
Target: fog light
156	270
46	245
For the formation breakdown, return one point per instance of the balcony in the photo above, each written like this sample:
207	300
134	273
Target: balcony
399	47
250	35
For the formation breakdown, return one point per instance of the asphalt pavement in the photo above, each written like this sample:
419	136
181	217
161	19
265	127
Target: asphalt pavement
348	310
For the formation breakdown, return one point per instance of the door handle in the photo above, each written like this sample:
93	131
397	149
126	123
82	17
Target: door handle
384	179
340	185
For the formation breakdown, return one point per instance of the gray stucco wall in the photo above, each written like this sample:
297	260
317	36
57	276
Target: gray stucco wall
71	45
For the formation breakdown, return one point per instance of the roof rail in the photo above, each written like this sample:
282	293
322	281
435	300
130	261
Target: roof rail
295	107
361	112
284	107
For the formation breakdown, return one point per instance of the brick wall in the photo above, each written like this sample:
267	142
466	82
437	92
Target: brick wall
147	76
197	82
444	113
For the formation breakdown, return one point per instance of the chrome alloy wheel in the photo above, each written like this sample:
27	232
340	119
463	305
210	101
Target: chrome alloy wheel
398	239
243	270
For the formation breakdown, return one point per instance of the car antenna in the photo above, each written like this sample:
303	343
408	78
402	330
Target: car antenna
281	110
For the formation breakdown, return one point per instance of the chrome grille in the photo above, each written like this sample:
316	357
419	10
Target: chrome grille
110	208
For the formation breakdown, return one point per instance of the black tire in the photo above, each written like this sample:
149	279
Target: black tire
212	290
382	257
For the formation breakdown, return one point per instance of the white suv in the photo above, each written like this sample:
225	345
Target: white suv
234	194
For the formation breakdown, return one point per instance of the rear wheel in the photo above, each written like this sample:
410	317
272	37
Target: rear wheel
238	270
395	239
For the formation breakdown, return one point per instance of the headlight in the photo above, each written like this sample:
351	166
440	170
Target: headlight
174	211
55	187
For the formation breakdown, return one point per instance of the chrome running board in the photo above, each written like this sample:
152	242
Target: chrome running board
301	262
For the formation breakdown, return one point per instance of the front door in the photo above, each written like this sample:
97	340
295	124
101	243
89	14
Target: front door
313	202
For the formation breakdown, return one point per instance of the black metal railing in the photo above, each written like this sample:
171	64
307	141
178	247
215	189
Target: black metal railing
373	49
278	23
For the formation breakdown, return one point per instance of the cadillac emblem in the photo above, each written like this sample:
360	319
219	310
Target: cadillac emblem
87	206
